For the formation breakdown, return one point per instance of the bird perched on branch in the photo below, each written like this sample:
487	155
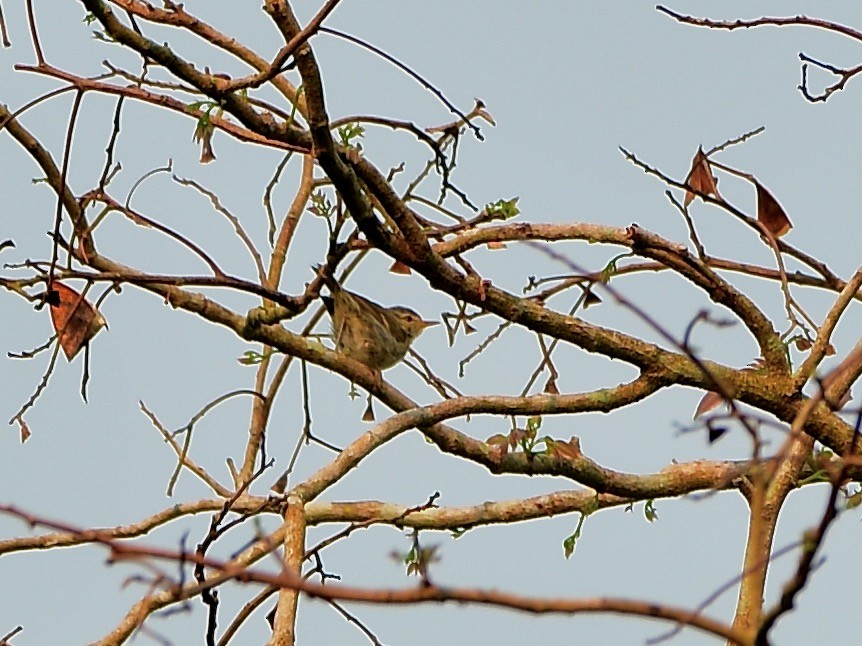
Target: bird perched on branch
372	334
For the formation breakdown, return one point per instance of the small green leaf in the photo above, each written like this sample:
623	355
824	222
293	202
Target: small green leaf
610	269
320	205
571	541
650	512
569	545
348	132
503	209
252	358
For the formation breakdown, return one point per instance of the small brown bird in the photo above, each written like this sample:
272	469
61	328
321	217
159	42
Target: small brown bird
375	335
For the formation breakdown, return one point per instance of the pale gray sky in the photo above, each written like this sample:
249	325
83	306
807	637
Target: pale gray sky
568	83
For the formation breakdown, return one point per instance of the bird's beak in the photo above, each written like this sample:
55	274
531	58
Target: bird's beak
429	323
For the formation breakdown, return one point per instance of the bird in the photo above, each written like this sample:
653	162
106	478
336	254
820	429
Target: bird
372	334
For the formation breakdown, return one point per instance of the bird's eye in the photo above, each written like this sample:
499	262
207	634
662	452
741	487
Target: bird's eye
408	318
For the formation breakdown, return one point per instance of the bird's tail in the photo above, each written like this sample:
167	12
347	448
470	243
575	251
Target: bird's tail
328	303
333	286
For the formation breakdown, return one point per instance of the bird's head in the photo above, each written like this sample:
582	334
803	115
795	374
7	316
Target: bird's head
410	321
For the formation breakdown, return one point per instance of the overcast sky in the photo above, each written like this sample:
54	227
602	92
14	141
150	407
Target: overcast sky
568	83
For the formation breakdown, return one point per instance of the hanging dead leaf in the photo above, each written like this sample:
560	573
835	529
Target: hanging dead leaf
204	136
399	267
591	298
368	415
75	319
700	178
25	430
770	214
715	433
802	344
710	401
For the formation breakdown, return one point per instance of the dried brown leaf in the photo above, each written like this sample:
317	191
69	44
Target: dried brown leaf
25	430
802	344
700	178
591	299
708	402
368	415
204	135
712	400
715	433
75	319
770	214
399	267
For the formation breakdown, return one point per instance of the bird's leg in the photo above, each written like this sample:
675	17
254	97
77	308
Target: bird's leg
352	393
